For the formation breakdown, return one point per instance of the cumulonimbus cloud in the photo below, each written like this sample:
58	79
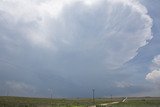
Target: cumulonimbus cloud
112	30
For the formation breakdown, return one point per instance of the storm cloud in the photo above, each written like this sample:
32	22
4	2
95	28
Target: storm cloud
69	43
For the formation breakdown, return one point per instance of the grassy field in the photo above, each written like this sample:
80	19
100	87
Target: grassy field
140	102
46	102
6	101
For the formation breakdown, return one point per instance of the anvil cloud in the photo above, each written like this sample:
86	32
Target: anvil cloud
59	43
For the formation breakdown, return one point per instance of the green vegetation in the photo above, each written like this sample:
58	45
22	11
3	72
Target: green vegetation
46	102
7	101
140	102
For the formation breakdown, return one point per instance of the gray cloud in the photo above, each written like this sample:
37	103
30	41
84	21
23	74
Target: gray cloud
18	88
59	44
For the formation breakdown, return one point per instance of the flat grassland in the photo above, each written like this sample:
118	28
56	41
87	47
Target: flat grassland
8	101
140	102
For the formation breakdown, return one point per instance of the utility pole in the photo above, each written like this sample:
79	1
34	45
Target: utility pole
93	90
111	96
7	92
51	92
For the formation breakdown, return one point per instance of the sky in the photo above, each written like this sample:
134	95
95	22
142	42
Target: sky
69	47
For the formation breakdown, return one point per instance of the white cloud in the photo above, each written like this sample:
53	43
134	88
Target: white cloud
156	62
154	75
112	30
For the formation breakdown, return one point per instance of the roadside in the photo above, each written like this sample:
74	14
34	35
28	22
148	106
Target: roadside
105	104
124	100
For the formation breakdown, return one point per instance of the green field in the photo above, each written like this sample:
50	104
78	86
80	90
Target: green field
140	102
46	102
6	101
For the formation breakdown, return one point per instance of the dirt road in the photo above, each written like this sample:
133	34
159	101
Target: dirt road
105	104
